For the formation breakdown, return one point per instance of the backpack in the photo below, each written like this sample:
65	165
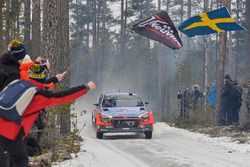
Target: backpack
15	98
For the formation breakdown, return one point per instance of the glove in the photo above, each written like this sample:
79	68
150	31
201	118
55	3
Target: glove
91	85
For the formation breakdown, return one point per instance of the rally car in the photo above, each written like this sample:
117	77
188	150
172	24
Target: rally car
122	112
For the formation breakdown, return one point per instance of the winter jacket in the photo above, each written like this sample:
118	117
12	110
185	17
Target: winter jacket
236	96
24	67
227	94
9	70
248	95
196	95
248	100
41	100
211	98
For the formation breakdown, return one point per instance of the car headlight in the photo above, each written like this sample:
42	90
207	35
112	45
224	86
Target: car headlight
106	118
144	116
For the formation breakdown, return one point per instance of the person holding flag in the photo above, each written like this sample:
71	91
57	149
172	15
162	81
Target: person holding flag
14	130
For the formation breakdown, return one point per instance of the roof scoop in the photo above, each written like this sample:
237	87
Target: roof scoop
142	108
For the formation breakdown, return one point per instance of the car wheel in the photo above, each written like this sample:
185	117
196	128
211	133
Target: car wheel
99	135
148	135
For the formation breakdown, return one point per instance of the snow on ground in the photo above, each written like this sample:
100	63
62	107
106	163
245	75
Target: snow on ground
170	147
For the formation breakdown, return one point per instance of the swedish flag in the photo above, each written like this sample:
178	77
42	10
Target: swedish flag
211	22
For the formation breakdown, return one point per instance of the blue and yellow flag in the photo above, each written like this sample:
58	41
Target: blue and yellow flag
211	22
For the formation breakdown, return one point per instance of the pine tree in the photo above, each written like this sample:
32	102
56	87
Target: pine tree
27	24
247	38
36	29
1	25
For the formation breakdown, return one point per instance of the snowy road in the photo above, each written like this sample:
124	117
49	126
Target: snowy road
170	147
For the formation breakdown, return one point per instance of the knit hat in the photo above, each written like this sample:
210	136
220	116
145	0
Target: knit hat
17	49
227	76
38	72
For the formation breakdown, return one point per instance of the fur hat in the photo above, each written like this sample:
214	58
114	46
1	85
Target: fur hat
196	86
17	49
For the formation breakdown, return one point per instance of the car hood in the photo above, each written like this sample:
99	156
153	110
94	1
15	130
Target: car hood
125	111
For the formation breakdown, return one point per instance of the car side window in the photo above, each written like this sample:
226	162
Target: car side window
100	100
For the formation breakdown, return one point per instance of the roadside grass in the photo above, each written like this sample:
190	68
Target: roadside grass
204	122
57	146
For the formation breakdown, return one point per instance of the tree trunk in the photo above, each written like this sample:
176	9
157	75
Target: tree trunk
49	36
15	4
88	27
94	35
189	8
206	62
231	56
88	66
206	54
122	34
247	67
1	25
220	74
18	22
94	23
63	55
189	12
182	10
98	6
159	5
103	38
27	23
36	29
160	65
8	22
221	70
237	40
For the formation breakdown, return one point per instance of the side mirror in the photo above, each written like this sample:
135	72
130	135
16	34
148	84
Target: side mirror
146	103
97	105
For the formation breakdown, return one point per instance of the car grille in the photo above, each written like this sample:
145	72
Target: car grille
125	123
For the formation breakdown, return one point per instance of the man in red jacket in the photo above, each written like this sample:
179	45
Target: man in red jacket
13	151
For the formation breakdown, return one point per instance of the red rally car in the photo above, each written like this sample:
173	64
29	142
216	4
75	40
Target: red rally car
122	112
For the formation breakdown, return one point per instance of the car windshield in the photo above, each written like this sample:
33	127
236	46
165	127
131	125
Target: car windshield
122	101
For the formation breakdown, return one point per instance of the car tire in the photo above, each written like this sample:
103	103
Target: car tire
99	135
148	135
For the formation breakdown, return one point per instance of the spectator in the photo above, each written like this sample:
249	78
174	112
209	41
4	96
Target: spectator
236	99
184	96
196	96
226	102
10	62
247	86
211	97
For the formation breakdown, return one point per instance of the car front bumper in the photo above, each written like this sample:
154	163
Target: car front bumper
111	129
